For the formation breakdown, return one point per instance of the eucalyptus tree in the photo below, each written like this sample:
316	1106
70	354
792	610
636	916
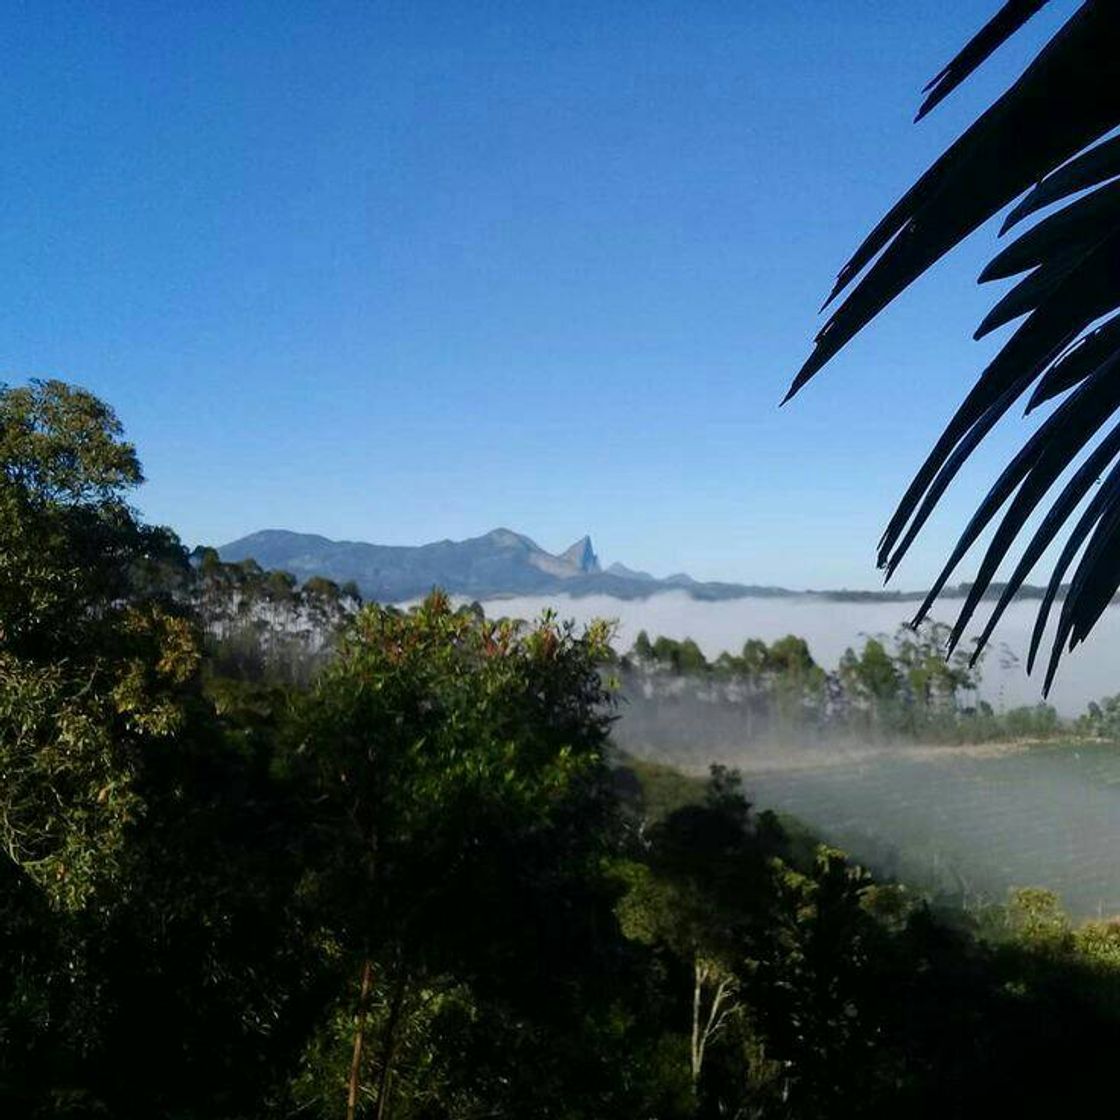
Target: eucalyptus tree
72	548
460	808
86	670
145	956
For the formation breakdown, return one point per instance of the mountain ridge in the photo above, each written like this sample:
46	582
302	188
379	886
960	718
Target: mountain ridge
499	563
503	563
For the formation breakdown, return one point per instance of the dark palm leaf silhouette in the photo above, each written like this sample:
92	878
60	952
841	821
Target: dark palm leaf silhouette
1048	135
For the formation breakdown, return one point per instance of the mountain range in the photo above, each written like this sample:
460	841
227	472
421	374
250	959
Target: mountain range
496	564
504	563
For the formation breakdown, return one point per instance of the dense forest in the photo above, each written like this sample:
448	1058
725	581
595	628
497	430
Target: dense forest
272	852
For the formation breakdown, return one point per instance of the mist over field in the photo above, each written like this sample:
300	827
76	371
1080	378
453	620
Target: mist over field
972	822
1092	671
968	821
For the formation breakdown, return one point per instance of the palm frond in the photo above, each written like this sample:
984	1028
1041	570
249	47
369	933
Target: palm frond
993	35
1047	135
1097	165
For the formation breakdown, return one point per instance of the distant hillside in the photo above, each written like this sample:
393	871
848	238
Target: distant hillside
500	563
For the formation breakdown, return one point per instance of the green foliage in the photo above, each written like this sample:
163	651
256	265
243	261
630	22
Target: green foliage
1102	720
449	760
873	678
1034	918
680	657
144	911
399	877
262	626
68	790
60	446
903	687
1038	721
790	656
912	689
655	789
71	545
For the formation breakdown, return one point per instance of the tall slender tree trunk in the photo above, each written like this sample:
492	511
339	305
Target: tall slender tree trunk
695	1052
359	1033
388	1048
705	1027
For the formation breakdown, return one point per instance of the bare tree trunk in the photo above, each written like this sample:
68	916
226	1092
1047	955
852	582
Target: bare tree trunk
388	1047
703	1032
359	1032
695	1053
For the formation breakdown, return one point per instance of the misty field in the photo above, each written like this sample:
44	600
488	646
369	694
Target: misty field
971	822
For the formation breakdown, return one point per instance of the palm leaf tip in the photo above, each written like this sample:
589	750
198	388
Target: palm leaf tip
1043	136
975	52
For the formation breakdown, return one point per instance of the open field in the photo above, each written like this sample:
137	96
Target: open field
971	821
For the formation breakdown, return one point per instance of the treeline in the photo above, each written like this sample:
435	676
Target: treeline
425	885
263	625
891	688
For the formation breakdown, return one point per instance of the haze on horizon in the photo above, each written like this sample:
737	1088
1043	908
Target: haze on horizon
831	627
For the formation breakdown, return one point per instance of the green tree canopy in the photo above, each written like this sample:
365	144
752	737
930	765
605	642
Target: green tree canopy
457	781
72	549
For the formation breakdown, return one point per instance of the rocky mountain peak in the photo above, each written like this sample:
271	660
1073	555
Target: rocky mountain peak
581	556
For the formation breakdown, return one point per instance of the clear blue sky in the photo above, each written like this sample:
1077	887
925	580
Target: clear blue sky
409	270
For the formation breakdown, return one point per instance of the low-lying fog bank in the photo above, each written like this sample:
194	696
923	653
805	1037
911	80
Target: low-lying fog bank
1091	672
969	821
972	822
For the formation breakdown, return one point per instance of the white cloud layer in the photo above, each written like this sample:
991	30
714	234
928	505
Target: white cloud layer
1091	672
